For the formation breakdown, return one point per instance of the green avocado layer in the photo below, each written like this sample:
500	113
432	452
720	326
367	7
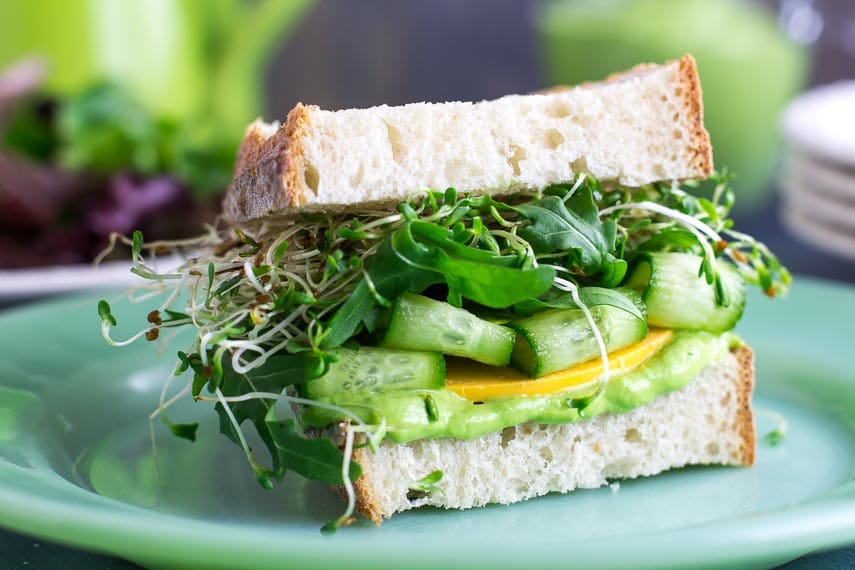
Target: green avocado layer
408	418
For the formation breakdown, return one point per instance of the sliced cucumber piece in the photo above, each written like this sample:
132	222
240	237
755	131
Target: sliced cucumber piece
378	369
678	298
559	339
421	323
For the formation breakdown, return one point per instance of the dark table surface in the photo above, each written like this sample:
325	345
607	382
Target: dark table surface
19	551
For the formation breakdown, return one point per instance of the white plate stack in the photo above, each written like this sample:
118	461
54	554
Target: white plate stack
818	177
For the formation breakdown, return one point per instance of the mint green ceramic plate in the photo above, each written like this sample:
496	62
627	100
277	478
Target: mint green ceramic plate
76	466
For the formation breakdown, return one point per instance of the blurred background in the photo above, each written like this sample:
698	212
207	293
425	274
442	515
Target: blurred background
122	115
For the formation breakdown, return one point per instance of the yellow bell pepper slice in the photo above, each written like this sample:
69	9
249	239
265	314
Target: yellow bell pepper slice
479	382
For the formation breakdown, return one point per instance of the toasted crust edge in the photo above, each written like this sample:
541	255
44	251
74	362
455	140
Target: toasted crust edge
267	168
745	415
367	503
694	104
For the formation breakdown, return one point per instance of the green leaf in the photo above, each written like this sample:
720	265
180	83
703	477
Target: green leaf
105	313
470	273
428	484
29	131
672	239
184	431
590	296
273	376
317	459
391	277
105	130
136	245
573	225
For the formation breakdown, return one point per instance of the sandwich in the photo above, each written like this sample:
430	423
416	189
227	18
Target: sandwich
457	304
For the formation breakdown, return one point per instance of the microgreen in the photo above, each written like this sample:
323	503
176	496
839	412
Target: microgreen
428	484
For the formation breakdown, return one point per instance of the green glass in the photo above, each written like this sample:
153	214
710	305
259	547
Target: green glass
183	59
749	68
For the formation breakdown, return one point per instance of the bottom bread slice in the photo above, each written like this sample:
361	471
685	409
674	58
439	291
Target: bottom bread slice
707	422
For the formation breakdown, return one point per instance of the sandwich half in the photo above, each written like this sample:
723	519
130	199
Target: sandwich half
473	303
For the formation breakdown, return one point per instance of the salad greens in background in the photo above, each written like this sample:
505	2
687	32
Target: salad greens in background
144	101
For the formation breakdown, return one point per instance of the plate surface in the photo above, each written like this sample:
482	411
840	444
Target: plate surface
76	466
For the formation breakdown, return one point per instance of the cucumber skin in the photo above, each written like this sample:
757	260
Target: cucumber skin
570	340
369	370
678	298
421	323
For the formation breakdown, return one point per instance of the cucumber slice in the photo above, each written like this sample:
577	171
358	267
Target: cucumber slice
421	323
678	298
377	369
559	339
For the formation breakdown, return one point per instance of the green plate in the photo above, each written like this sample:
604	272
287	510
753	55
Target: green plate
76	466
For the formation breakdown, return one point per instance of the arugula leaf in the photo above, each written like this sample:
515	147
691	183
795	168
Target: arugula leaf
273	376
420	254
317	459
573	225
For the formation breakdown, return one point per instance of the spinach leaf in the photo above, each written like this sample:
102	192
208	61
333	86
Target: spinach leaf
390	276
475	274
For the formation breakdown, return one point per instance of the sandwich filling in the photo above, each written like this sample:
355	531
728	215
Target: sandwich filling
452	315
407	417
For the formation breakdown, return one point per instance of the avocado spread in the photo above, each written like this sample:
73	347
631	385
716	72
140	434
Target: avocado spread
420	414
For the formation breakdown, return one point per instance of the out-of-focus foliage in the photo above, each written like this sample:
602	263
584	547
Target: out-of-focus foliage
150	84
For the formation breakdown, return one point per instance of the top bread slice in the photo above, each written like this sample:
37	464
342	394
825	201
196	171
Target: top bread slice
634	128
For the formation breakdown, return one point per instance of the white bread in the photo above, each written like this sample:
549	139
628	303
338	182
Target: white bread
637	127
707	422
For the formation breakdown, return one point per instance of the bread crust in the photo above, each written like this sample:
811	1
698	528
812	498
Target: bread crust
745	414
369	504
268	169
694	108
